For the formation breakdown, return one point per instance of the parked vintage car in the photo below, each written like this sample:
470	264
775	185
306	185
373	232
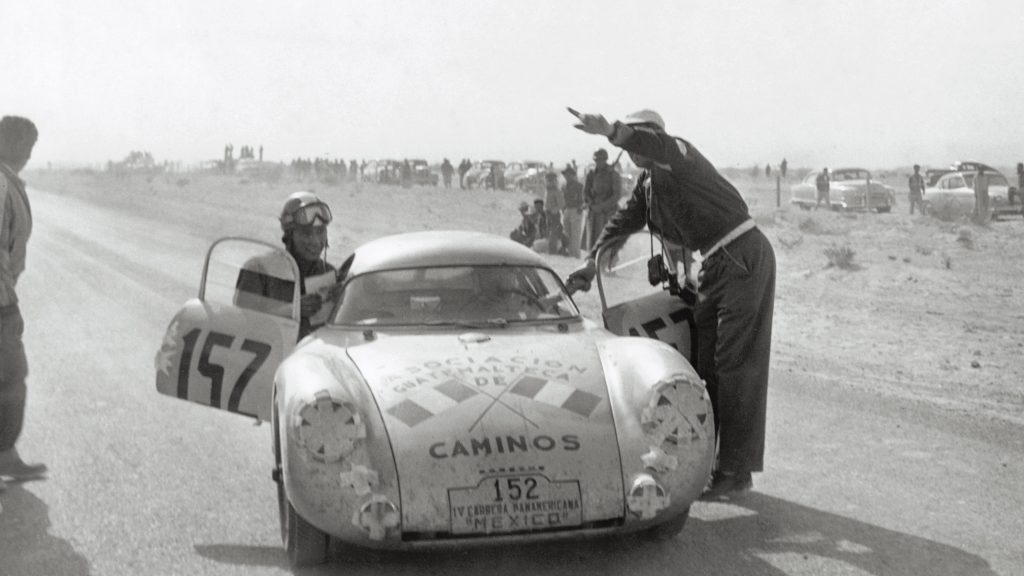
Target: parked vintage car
932	175
486	174
532	177
850	189
388	171
422	175
454	397
953	193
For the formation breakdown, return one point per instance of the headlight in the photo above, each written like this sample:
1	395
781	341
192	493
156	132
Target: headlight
329	429
646	497
377	515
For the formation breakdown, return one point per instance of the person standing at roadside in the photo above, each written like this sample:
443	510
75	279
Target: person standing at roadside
822	182
916	194
981	202
446	173
17	138
684	199
464	167
602	189
572	214
1020	185
553	204
783	166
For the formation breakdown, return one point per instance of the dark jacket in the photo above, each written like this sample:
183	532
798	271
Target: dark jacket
689	202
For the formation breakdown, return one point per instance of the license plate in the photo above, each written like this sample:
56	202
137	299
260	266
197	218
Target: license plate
509	504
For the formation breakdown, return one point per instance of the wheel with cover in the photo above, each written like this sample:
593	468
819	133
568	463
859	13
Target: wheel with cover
669	530
305	544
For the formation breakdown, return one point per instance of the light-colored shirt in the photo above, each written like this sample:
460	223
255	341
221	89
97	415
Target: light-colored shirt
554	201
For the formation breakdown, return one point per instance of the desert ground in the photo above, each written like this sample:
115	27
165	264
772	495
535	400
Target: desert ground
895	412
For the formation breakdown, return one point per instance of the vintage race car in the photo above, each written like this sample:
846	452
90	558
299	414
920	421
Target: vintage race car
850	189
455	396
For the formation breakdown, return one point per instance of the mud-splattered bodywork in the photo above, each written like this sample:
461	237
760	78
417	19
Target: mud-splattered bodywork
394	433
527	431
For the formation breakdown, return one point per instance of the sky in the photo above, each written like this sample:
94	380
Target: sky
819	82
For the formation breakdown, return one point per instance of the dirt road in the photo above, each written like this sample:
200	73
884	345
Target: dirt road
888	453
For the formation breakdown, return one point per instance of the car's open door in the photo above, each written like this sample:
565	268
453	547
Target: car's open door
632	306
222	348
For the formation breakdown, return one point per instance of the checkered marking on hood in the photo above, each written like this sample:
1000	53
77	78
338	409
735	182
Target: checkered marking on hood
556	394
430	401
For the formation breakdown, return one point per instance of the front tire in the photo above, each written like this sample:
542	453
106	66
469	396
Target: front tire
669	530
305	544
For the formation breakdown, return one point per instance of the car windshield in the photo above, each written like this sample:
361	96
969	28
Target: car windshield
841	175
464	296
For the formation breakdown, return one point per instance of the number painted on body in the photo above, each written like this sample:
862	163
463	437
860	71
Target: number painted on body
214	371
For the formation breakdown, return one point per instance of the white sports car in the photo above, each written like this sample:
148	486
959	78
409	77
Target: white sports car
455	396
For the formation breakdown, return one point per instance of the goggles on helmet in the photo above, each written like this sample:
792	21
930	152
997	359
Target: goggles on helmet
308	215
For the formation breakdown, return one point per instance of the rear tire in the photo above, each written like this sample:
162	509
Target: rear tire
669	530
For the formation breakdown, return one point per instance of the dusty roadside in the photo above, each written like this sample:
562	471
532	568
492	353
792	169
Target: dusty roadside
926	310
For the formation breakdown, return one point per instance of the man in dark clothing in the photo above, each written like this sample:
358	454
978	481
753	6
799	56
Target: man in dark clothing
526	232
783	167
1020	185
602	189
916	194
822	183
982	211
464	167
17	139
446	173
540	218
681	197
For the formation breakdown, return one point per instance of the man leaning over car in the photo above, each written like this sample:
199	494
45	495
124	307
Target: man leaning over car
681	197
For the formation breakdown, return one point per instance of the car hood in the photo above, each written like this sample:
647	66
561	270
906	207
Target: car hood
469	415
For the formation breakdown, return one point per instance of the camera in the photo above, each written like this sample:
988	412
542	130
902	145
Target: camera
657	272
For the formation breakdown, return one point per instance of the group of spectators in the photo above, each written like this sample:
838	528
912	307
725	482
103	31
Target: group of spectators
304	168
571	216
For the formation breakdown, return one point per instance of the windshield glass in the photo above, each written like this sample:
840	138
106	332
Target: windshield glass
457	295
841	175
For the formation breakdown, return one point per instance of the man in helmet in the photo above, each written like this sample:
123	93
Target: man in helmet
265	282
683	198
